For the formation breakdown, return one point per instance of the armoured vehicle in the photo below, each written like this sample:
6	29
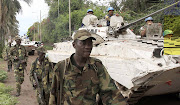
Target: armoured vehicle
138	65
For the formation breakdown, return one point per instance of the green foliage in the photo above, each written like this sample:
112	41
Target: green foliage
56	28
172	22
3	75
5	97
48	47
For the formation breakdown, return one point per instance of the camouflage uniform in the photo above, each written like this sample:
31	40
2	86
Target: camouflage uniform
6	57
21	53
80	87
44	76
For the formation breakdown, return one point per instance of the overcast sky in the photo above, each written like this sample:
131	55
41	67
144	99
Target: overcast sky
31	14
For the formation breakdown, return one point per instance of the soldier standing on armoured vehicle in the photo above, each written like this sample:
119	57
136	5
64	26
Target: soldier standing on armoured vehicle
89	12
78	79
6	52
19	57
144	31
109	15
41	77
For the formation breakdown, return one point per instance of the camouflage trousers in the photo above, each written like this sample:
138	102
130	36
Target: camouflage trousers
9	63
19	76
45	97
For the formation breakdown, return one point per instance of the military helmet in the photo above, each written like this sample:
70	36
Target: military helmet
149	18
17	38
167	32
41	49
110	8
89	10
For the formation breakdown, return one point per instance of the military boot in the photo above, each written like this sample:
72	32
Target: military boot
17	94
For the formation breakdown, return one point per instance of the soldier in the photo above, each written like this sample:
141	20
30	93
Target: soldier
78	79
109	15
151	28
19	57
41	76
90	19
168	34
6	56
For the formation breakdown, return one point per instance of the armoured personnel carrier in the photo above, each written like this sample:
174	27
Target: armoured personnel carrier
137	64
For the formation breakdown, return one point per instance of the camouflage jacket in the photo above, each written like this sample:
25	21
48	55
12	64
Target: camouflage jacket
6	52
81	87
19	52
43	72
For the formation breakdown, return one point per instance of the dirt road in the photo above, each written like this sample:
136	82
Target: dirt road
28	95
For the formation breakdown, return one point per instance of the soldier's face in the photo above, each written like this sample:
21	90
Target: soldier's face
149	22
90	12
83	48
111	12
18	42
169	36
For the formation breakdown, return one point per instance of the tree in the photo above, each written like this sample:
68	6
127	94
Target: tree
8	21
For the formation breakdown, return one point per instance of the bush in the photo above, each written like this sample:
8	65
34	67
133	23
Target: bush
3	75
5	97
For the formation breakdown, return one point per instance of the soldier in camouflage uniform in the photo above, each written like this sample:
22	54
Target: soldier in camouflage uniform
6	56
42	68
78	79
19	57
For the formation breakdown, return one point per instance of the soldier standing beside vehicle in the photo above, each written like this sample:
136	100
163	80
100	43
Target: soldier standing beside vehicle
6	56
78	79
19	57
109	15
41	76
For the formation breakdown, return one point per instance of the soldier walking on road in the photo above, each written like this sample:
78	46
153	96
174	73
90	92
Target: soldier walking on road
41	77
6	56
19	57
78	79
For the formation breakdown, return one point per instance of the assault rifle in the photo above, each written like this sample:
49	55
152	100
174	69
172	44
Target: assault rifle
24	64
39	90
119	30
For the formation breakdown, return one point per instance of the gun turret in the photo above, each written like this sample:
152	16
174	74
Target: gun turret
120	30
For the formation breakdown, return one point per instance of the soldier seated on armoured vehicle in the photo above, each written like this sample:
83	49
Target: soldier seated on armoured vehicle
151	29
109	15
90	19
